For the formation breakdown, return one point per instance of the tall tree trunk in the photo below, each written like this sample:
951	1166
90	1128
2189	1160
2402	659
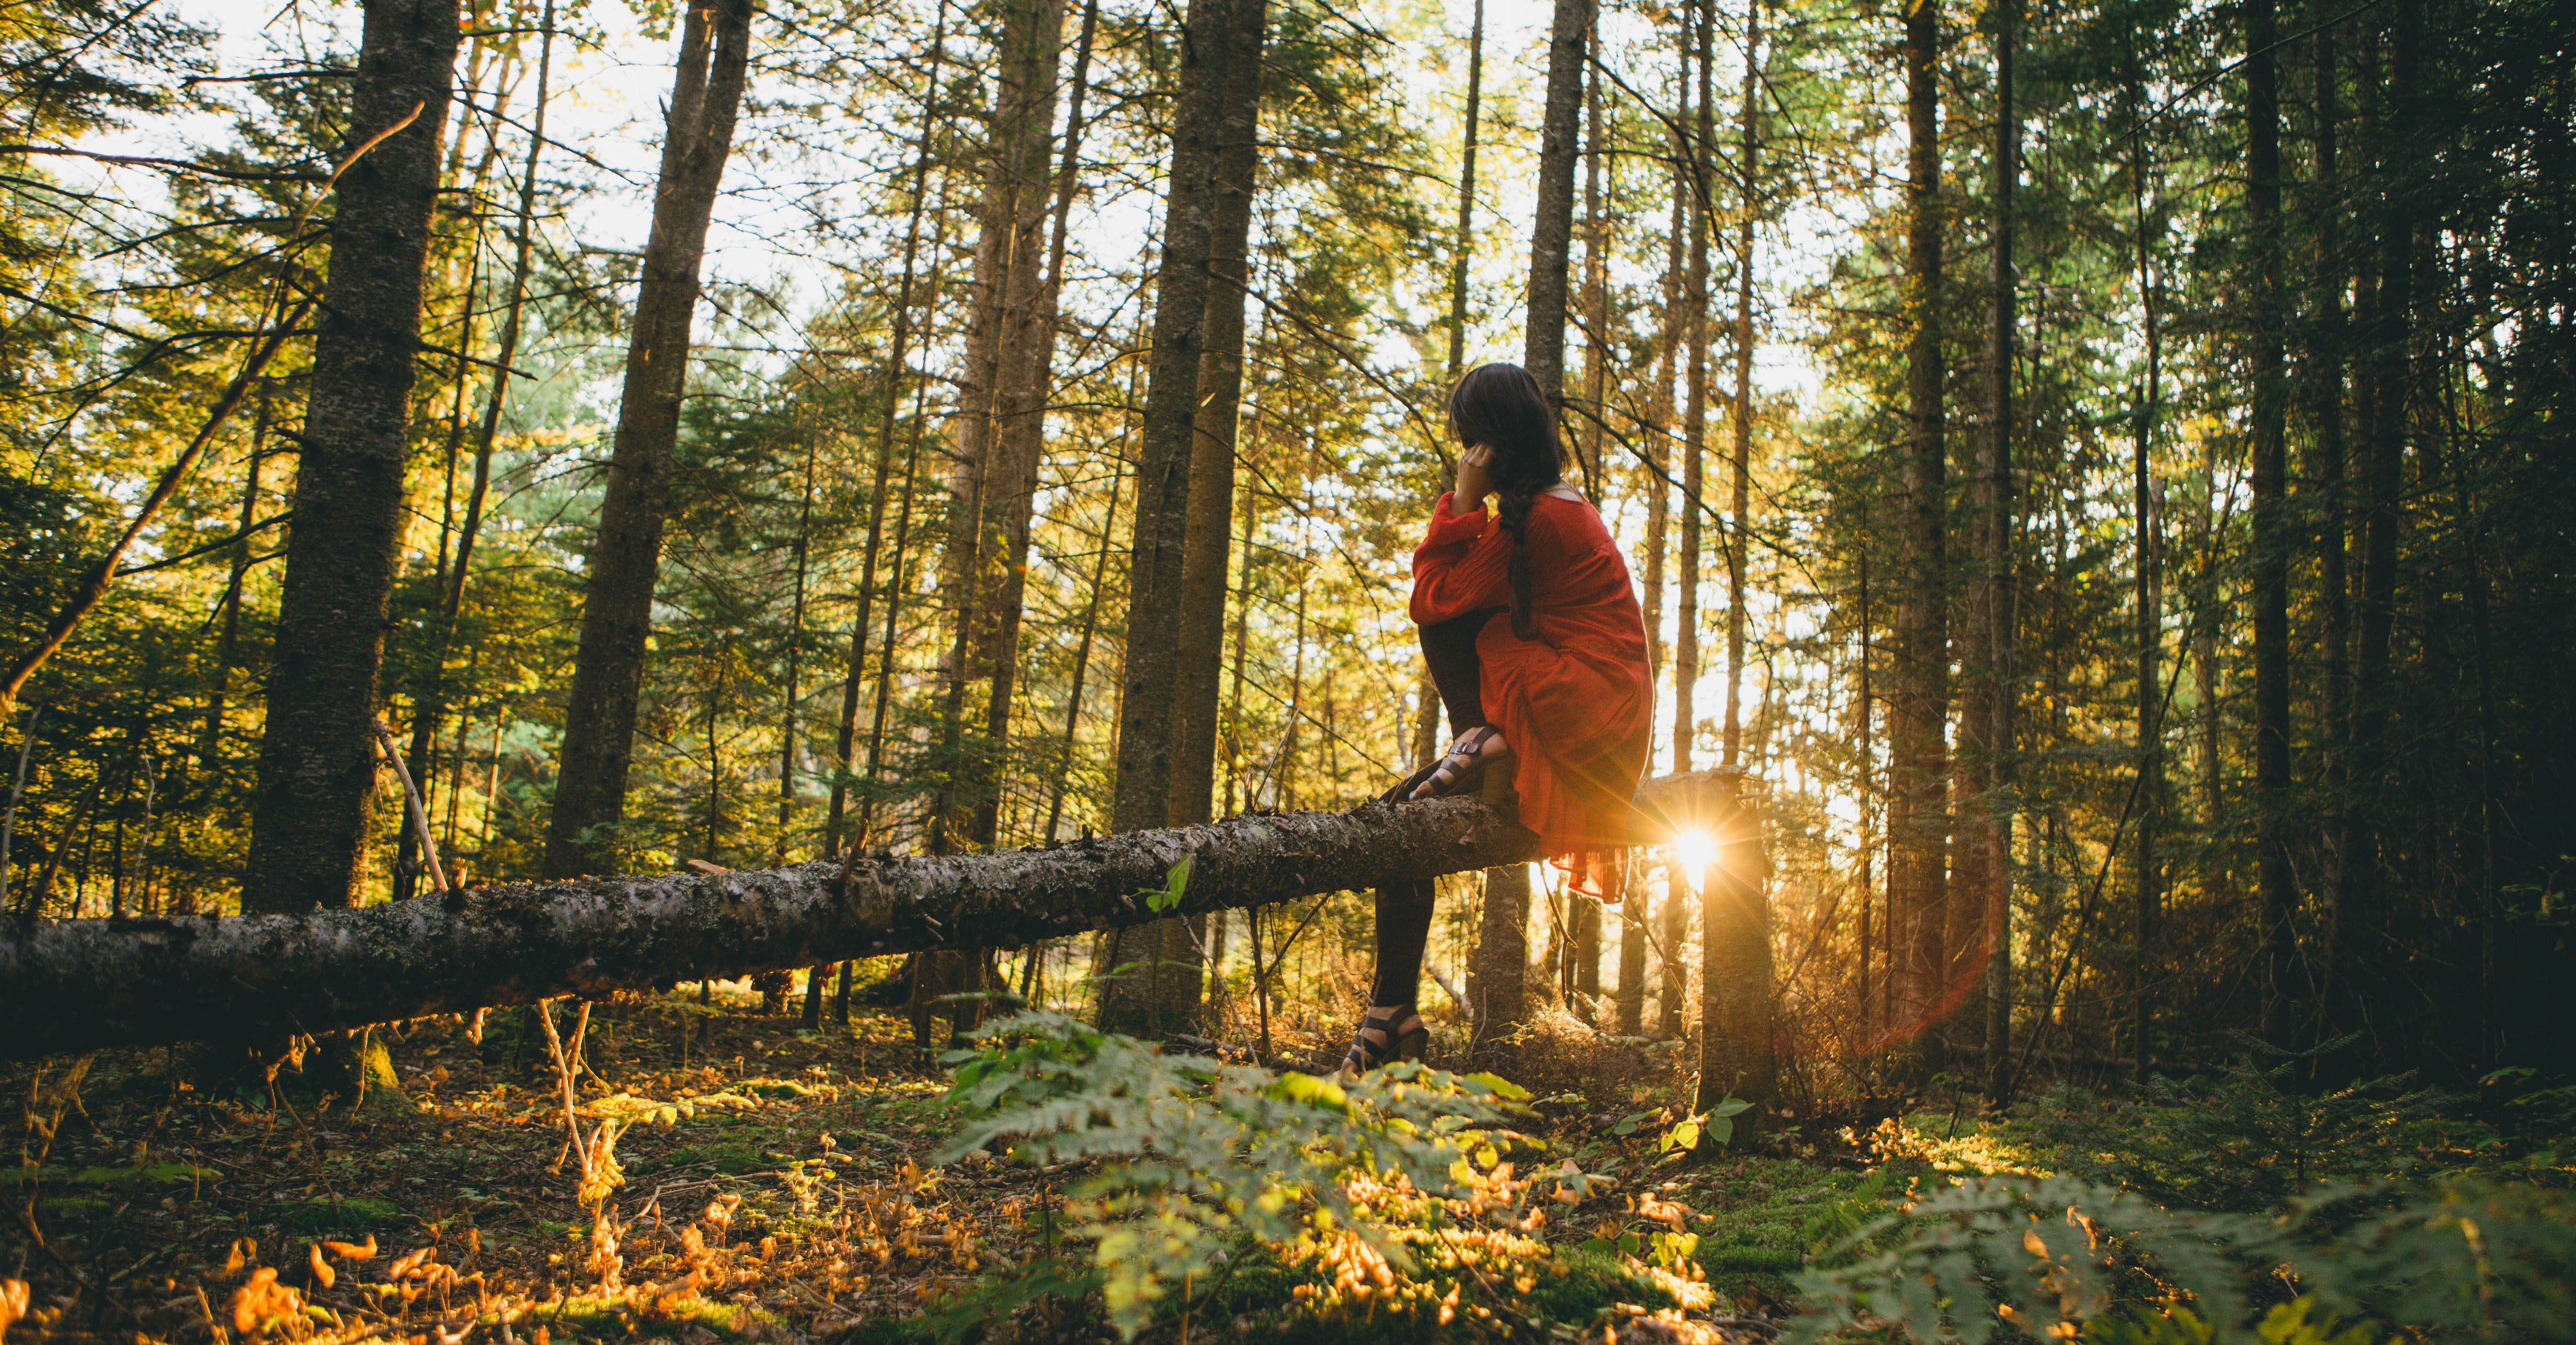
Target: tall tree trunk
2276	889
514	310
788	702
901	580
1585	916
1502	948
1596	281
626	560
1694	392
1082	659
1001	421
1736	992
1552	227
2324	377
1163	994
1918	821
1426	710
1987	730
1867	776
2146	518
317	770
889	402
228	641
2389	366
1199	662
1021	434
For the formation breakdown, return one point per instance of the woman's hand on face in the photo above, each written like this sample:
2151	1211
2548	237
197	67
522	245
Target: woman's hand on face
1473	481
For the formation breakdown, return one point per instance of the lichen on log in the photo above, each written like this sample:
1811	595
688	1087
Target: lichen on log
79	984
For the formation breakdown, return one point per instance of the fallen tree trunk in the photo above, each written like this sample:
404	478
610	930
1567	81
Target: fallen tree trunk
78	984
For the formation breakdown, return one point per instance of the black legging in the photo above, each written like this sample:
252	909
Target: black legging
1404	909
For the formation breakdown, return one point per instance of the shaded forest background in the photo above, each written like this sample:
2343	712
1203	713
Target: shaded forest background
2102	468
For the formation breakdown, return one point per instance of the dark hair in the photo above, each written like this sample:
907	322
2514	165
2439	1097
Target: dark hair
1501	407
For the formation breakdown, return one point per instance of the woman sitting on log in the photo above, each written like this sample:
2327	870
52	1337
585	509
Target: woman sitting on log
1531	629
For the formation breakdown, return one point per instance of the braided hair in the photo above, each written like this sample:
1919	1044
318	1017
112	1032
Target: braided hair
1501	407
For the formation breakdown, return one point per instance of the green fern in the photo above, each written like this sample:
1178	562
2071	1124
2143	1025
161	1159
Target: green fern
2048	1256
1209	1163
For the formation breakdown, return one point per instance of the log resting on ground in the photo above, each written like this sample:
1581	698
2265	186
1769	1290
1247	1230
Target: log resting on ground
79	984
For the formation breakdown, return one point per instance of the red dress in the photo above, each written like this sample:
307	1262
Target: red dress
1576	704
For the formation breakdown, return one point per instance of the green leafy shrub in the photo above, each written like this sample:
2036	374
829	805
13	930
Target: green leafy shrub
1392	1193
2244	1140
2047	1256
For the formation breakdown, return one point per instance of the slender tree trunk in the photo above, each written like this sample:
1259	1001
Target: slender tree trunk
1426	732
2276	889
795	666
1695	155
1000	437
1021	433
317	776
1596	282
1502	948
1552	228
1918	821
523	256
1099	577
2357	913
1082	658
900	581
1164	994
452	601
1235	785
626	560
1638	917
2324	377
1736	992
2148	867
1867	778
228	642
1199	662
1987	731
889	402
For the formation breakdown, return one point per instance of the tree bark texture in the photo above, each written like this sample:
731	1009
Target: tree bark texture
881	474
1002	396
2275	887
1596	286
626	559
1987	732
1552	228
1164	994
79	984
317	764
1694	398
1736	1009
1736	992
1199	663
1919	701
2388	363
1740	466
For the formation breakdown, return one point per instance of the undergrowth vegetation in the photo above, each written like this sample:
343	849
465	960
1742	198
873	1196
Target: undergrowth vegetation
723	1175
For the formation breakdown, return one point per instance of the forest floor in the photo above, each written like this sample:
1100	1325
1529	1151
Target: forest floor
777	1184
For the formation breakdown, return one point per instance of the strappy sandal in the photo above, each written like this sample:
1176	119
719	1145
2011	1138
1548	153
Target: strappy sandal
1462	769
1400	1036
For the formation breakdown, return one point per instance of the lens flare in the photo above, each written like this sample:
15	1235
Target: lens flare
1693	852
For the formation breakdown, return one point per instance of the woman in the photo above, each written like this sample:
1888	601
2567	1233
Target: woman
1531	629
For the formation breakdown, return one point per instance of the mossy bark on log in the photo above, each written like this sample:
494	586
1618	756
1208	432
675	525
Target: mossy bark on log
78	984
